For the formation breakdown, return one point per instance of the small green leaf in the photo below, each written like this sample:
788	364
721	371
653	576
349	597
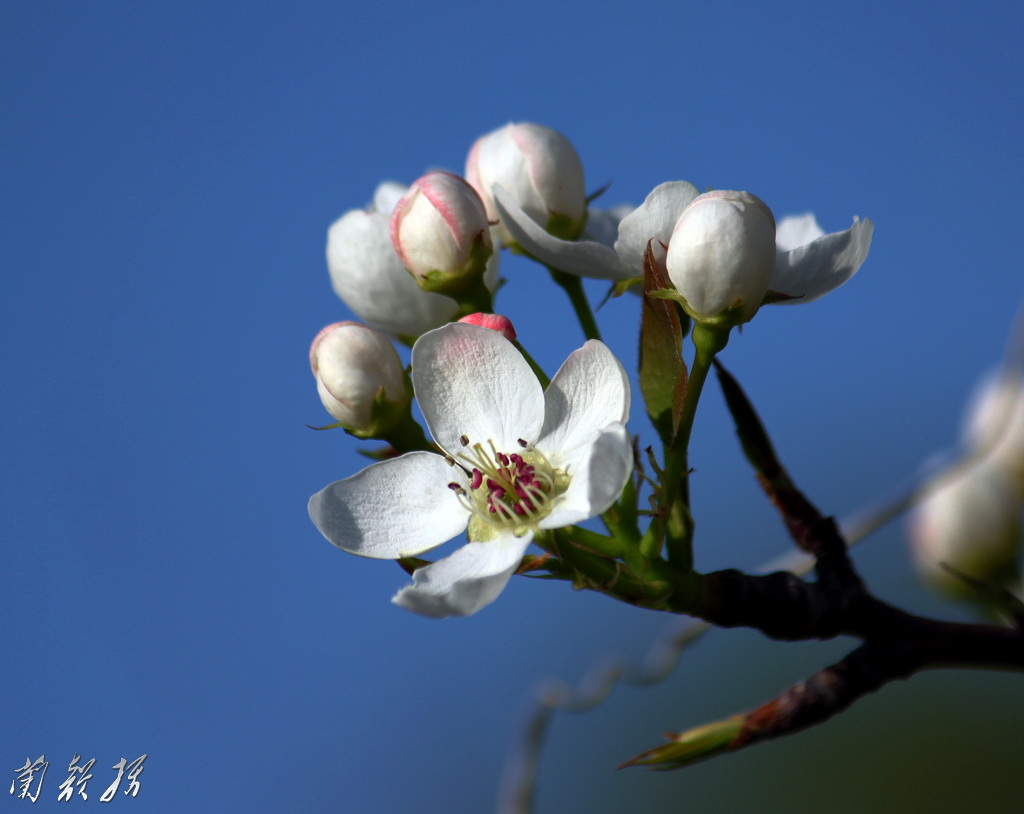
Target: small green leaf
662	369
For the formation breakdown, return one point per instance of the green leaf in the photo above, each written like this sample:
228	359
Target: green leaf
662	369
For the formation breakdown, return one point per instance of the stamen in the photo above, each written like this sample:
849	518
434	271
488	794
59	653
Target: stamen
507	490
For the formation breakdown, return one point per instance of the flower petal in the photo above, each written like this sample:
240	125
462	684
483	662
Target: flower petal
589	391
794	231
584	258
369	276
811	271
387	194
396	508
472	382
599	472
653	220
466	581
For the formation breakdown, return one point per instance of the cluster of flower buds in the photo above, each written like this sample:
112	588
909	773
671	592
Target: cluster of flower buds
420	256
969	522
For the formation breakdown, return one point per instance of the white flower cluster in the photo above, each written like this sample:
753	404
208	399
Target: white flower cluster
514	459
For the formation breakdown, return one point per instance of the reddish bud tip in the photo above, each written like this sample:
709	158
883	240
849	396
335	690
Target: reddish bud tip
494	322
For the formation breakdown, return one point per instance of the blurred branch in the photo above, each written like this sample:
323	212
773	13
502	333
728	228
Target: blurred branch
824	694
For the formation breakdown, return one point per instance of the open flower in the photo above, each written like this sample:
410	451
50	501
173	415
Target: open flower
517	459
369	276
808	263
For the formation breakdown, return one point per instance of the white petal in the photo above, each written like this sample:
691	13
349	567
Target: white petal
589	391
599	472
811	271
465	582
396	508
653	220
387	194
368	275
471	381
794	231
584	258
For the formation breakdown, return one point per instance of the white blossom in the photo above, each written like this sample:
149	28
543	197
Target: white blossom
516	459
808	263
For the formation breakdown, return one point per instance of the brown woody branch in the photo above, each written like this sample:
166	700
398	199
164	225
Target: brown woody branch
895	644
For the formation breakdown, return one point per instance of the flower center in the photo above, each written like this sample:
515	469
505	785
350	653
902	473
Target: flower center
508	491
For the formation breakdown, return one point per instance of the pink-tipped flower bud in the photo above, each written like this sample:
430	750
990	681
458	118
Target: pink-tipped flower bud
539	168
495	322
360	379
721	256
970	521
440	231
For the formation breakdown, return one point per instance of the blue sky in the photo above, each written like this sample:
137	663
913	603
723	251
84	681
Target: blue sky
169	173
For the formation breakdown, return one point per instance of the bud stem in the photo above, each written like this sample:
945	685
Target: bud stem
573	286
675	497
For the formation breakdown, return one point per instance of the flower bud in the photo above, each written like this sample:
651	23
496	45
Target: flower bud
970	522
360	379
995	427
721	256
369	277
539	168
440	231
495	322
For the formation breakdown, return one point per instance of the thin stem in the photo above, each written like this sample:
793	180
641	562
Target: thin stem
573	286
675	481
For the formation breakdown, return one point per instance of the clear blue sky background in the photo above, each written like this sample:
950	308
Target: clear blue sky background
168	173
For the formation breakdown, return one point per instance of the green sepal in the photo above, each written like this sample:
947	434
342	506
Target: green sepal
385	415
554	568
333	426
565	228
466	286
593	196
773	297
411	564
622	286
727	318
